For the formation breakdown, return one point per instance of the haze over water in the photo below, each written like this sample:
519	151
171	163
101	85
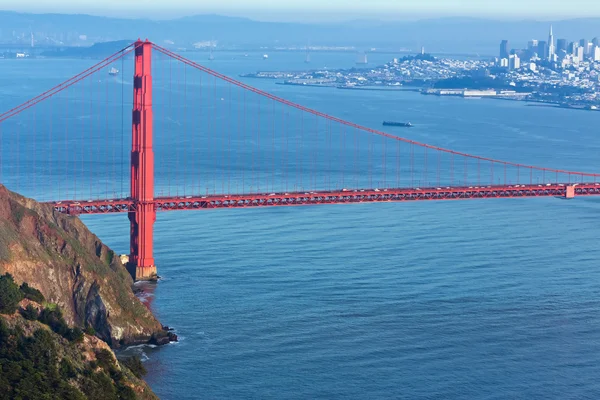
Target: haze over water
483	299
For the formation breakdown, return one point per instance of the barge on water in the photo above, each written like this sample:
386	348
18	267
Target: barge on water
402	124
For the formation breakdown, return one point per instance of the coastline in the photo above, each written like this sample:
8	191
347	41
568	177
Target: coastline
539	103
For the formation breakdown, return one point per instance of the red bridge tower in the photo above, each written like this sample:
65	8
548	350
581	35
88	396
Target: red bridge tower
141	260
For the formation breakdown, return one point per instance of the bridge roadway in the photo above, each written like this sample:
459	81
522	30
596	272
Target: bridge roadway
344	196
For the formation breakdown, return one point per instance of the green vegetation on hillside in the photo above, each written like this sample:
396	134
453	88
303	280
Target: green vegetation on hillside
37	367
10	295
42	365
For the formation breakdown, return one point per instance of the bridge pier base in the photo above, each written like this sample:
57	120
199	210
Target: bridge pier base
143	273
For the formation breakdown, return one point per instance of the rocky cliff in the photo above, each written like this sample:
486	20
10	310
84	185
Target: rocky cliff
59	256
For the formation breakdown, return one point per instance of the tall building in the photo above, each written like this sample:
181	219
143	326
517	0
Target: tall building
504	52
514	62
551	48
542	50
589	49
583	42
572	48
580	53
596	41
596	53
561	44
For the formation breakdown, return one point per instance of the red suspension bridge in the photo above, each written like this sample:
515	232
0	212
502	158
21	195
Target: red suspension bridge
223	144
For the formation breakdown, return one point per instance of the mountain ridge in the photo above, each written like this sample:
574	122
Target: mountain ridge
444	34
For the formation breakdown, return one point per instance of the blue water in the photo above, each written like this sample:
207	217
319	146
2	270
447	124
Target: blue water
481	299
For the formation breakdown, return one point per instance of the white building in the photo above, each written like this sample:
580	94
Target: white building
596	53
551	47
504	62
514	62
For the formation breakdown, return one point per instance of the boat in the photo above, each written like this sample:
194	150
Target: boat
113	71
265	56
402	124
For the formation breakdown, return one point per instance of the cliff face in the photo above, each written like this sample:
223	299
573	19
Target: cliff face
59	256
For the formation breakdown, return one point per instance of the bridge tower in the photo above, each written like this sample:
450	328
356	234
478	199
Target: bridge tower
142	217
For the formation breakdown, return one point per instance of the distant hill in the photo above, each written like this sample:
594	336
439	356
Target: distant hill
95	51
464	35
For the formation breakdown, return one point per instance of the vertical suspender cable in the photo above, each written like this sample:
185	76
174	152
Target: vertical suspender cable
216	146
185	170
106	140
285	150
425	170
466	179
385	161
342	162
398	167
313	172
122	130
35	152
67	169
272	147
229	118
17	175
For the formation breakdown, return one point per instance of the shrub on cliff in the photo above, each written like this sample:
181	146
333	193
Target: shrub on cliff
10	295
74	335
135	366
30	313
105	359
32	293
54	319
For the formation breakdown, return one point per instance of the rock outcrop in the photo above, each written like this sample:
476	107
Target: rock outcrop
59	256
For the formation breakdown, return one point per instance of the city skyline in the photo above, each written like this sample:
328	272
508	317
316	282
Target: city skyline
558	53
295	10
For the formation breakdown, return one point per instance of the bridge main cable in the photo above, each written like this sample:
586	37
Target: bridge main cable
68	83
360	127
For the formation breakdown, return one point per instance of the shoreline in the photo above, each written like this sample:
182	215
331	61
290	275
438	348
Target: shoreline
533	102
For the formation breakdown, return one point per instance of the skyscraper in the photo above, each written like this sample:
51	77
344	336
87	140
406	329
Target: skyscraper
514	62
580	53
561	44
572	48
596	41
583	43
542	50
551	48
504	52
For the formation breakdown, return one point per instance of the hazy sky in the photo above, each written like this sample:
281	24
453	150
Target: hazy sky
317	9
